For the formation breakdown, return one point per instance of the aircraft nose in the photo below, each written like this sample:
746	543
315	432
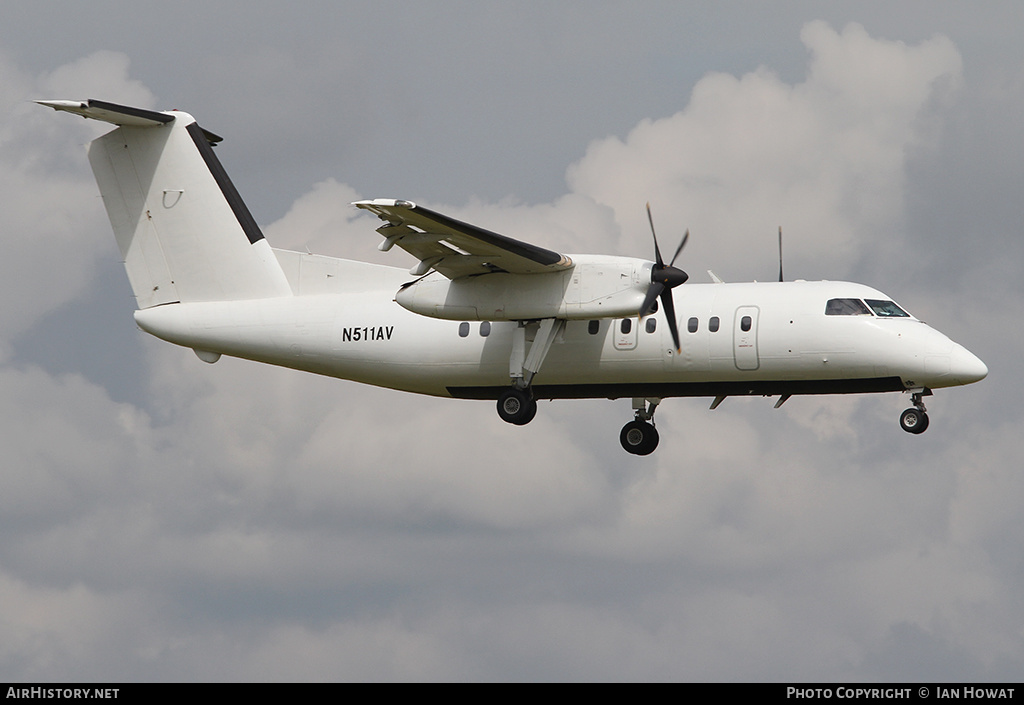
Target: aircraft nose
965	367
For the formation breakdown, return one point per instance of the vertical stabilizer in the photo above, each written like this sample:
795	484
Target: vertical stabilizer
184	232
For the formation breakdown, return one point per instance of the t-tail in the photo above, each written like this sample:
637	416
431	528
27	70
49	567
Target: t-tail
184	233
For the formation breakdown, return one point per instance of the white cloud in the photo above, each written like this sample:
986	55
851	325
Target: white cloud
321	221
824	158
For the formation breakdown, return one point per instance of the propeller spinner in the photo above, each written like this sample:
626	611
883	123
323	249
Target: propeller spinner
664	278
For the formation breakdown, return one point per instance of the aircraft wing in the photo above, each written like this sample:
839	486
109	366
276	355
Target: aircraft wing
453	248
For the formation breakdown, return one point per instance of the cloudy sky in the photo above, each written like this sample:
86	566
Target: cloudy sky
163	519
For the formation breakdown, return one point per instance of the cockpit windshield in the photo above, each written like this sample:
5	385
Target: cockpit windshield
886	309
856	307
846	307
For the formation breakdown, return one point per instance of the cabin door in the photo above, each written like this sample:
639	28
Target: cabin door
625	333
744	336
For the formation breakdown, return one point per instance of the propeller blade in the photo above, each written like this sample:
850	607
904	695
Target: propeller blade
657	252
653	292
686	236
670	314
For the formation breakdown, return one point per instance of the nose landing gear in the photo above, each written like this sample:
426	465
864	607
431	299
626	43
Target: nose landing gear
639	436
915	420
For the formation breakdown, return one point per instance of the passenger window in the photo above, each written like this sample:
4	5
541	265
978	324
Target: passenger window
593	327
846	307
745	324
713	324
463	329
485	328
651	325
691	325
627	325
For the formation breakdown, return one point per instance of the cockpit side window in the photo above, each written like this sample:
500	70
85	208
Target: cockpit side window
846	307
886	309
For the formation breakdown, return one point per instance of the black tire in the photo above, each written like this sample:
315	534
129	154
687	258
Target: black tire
914	421
639	438
517	406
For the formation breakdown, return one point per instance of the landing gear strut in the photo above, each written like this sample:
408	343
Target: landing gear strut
915	420
639	436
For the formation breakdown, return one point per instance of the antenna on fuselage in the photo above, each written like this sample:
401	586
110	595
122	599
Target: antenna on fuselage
780	253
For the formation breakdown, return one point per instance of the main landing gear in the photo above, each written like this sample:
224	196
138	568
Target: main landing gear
516	404
639	436
915	419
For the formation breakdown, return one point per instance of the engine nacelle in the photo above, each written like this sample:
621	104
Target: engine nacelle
595	287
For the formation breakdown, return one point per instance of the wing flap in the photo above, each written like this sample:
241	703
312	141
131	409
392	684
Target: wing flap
453	248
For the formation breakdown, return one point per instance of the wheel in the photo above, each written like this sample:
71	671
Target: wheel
914	421
639	438
517	406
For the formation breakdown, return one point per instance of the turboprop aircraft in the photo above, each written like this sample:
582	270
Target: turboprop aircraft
480	315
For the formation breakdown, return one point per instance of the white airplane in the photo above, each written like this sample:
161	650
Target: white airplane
483	316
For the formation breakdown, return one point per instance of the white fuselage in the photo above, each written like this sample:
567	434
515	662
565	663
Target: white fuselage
771	338
492	317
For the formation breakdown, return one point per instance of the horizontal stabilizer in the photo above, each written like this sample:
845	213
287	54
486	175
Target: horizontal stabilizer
120	115
110	112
